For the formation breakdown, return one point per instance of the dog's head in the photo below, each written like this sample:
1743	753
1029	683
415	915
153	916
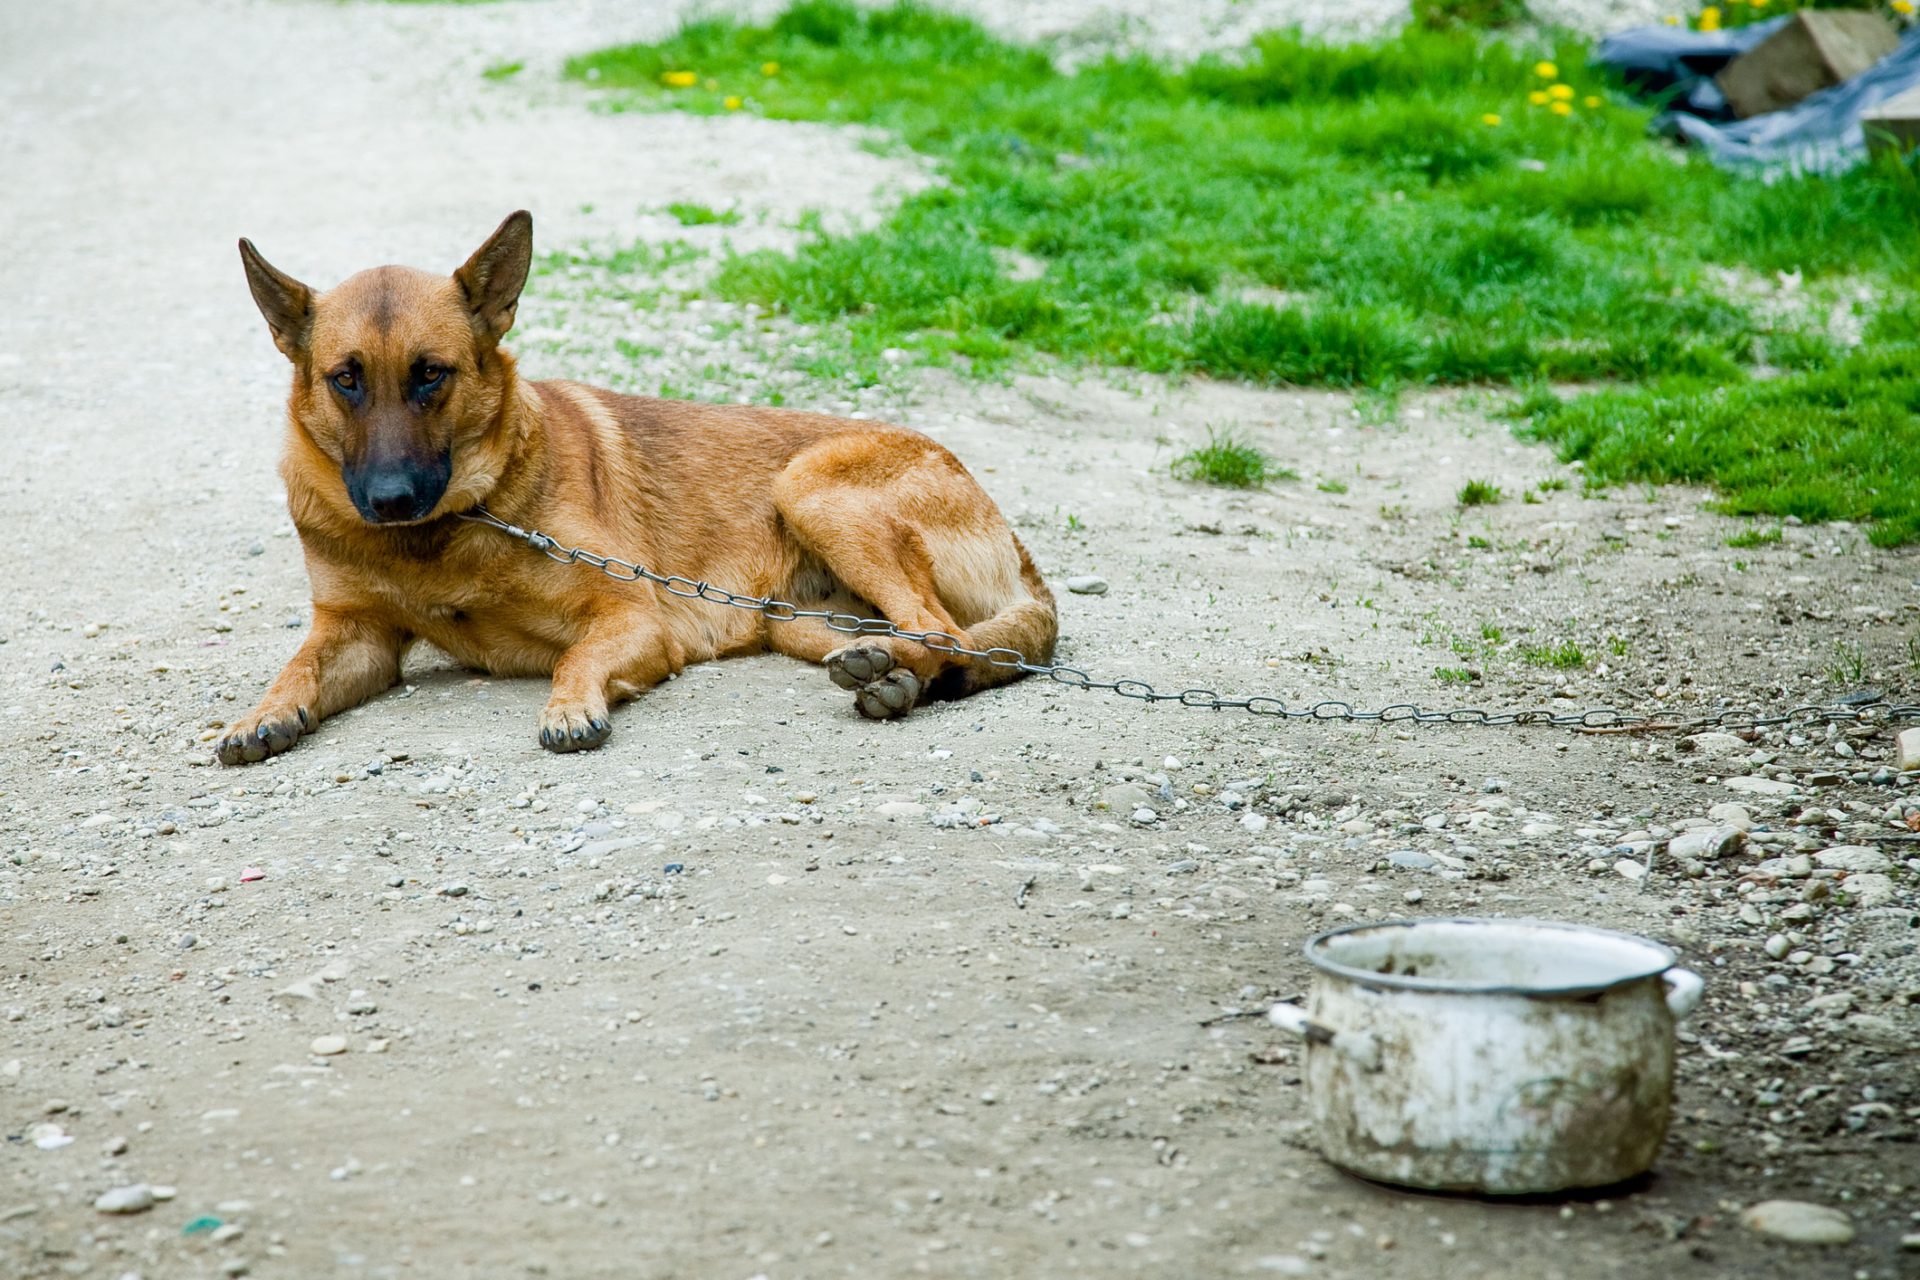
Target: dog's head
396	370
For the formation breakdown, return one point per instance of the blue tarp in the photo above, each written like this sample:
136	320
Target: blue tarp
1819	134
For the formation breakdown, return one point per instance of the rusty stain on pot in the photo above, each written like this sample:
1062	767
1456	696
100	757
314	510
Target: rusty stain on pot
1490	1055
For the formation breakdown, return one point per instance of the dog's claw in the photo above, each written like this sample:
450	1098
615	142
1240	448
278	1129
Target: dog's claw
263	737
565	730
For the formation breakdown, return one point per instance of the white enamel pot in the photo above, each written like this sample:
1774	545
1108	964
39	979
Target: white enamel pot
1506	1057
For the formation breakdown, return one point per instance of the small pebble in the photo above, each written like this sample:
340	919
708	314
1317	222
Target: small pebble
328	1046
1799	1222
1087	584
137	1198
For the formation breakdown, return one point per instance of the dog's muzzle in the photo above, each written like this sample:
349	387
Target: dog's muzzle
399	491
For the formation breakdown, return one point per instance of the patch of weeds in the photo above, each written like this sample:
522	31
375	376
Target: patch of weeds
503	70
700	215
1332	486
1478	493
1565	656
1479	543
1229	461
1385	175
1822	444
1619	646
1455	675
1758	536
1475	15
1552	484
1491	634
1848	665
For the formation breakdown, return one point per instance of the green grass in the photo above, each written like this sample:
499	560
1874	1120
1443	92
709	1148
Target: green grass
1478	493
1331	215
503	70
700	215
1839	443
1758	536
1565	656
1454	675
1230	462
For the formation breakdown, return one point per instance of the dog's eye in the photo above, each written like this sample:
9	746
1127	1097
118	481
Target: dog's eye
431	374
344	380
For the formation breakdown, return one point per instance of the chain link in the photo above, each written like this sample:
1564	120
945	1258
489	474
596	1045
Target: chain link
1867	707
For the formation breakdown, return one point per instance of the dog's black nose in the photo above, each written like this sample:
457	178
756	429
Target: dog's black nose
395	497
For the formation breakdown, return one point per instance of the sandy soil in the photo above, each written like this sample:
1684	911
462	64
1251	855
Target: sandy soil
759	989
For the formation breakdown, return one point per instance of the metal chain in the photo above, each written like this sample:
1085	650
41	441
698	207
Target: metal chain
1853	710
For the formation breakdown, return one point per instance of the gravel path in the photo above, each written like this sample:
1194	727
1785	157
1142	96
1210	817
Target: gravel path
763	989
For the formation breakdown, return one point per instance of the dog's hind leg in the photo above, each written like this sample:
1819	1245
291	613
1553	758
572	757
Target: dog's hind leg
898	521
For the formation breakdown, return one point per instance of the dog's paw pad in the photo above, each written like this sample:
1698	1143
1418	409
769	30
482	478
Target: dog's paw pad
858	665
889	697
260	736
573	730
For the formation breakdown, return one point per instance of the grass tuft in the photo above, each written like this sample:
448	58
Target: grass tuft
1565	656
1479	493
1758	536
1230	462
700	215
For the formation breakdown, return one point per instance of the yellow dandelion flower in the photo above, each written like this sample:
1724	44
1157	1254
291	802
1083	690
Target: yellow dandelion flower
1591	102
1546	70
769	68
680	79
1758	4
1903	7
1539	98
1564	92
1490	119
731	102
1561	108
1710	19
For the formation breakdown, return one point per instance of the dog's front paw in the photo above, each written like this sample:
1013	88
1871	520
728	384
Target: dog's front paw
267	732
572	728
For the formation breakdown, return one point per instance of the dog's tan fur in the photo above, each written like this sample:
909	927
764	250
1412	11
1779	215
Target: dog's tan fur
826	512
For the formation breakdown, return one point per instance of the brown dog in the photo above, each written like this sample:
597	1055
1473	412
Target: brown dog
405	413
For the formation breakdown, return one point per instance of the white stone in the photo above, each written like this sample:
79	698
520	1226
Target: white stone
1853	857
1762	787
328	1046
1717	744
1906	746
1731	815
902	809
137	1198
1869	889
1799	1222
1708	842
1087	584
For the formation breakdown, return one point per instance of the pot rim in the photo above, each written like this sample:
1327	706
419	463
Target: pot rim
1666	959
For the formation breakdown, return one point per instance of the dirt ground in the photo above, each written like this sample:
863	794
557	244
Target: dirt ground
763	989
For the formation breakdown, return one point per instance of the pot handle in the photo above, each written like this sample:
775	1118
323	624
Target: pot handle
1684	989
1357	1045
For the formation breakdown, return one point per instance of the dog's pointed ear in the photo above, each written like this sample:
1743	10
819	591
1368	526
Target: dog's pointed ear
285	302
495	274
